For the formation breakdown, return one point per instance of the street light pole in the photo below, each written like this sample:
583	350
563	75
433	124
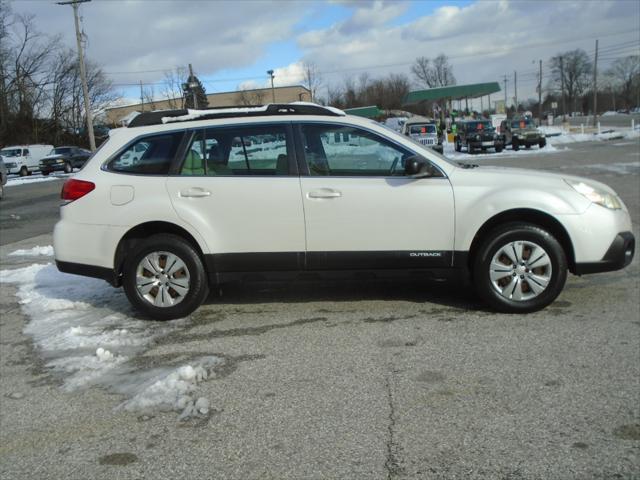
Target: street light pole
83	73
273	92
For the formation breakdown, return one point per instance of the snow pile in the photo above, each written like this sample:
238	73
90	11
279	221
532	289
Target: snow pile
172	390
33	252
566	137
83	329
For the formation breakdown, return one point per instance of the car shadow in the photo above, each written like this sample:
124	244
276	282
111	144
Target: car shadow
454	294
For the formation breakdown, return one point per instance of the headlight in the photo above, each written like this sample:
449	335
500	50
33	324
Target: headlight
477	137
596	195
542	135
59	161
515	135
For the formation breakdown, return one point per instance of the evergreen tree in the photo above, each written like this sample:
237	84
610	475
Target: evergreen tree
200	94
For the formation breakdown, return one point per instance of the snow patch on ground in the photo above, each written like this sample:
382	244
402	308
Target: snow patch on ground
33	252
449	152
36	178
84	330
591	137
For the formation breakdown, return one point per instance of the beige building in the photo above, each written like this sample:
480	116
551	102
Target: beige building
298	93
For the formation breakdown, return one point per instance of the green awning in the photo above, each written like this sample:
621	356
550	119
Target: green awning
452	92
371	111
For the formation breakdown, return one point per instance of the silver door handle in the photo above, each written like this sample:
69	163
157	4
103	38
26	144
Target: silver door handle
324	193
195	193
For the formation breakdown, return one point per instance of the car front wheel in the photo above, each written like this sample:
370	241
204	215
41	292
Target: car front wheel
519	268
68	168
164	278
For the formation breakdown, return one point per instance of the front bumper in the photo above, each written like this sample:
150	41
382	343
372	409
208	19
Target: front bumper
619	255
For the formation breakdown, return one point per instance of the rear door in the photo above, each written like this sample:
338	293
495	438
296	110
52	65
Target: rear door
238	186
362	211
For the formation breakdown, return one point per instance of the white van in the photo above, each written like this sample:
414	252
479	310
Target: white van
24	159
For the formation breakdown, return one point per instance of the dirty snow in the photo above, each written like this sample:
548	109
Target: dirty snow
449	152
33	252
84	330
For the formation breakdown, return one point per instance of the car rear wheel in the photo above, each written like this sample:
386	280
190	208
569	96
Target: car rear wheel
519	268
45	173
24	172
515	145
458	146
498	149
164	277
542	143
68	168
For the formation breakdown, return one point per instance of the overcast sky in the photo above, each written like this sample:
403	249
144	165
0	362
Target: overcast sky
234	43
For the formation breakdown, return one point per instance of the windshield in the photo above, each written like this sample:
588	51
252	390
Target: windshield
483	126
422	129
522	123
12	152
59	151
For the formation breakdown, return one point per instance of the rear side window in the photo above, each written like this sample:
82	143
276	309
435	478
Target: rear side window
149	155
255	151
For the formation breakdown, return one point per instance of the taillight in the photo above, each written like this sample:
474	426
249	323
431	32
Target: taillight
74	189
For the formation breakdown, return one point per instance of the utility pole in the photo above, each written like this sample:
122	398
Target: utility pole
540	95
564	110
192	85
595	88
505	93
141	98
273	92
515	89
83	73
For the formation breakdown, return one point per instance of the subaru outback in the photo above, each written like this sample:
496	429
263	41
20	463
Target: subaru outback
228	194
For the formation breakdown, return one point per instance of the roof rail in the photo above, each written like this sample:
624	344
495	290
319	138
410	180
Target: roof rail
274	109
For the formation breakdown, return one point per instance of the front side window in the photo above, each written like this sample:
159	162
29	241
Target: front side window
364	154
257	151
150	155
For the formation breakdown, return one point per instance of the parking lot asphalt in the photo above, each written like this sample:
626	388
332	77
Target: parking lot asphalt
363	380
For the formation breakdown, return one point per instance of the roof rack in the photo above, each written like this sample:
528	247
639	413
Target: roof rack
274	109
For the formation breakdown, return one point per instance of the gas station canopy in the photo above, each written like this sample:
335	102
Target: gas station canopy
371	111
452	92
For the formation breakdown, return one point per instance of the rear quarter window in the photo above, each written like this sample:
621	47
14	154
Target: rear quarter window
150	155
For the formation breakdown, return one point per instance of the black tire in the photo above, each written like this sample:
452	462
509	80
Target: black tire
45	173
470	149
458	147
498	149
527	146
497	240
198	288
542	143
24	172
1	190
515	145
68	168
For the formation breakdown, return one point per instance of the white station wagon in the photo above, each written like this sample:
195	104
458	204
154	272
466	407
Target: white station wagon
181	201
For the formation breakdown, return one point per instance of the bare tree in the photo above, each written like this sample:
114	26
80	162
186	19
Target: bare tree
626	72
432	74
172	87
312	78
574	69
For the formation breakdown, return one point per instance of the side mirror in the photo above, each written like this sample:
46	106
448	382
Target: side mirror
417	167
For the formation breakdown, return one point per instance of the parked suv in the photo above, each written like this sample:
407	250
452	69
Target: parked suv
476	135
519	132
64	159
424	131
200	208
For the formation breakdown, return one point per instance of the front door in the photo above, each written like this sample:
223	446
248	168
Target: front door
363	212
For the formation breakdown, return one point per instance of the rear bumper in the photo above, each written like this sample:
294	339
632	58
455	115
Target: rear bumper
619	255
